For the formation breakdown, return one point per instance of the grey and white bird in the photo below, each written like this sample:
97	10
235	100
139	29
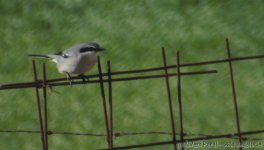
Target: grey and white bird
75	60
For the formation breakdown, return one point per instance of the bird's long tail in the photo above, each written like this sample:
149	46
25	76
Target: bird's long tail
38	55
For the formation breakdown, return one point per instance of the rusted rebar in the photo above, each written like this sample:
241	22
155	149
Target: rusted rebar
169	99
39	107
45	105
109	125
103	100
180	101
110	103
39	84
234	93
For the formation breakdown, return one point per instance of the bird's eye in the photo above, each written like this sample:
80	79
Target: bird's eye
64	55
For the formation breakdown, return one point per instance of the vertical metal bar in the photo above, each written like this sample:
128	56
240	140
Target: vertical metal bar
180	100
234	93
39	106
45	105
169	99
110	103
103	101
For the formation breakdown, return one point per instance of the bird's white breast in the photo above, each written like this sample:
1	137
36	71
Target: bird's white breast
85	63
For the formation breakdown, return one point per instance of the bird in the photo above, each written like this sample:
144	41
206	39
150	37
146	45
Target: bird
77	59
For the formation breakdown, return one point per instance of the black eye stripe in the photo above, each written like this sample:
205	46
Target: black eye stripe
87	49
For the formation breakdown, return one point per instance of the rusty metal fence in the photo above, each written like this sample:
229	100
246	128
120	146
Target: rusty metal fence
107	109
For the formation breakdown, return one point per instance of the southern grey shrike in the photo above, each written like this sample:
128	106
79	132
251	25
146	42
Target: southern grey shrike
75	60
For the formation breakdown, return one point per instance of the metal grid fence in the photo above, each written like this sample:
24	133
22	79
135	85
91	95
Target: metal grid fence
108	78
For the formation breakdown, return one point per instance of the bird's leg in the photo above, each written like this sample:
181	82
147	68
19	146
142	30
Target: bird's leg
51	90
69	78
82	76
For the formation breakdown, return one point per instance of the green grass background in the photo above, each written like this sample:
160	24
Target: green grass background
133	33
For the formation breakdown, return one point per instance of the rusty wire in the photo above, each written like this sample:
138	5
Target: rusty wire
210	137
122	134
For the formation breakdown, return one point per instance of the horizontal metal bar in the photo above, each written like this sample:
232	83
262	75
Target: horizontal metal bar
187	140
120	134
39	84
30	84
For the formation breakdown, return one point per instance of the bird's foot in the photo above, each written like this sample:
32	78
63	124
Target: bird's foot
83	77
69	78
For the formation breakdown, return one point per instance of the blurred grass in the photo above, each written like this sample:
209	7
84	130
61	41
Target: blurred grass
133	33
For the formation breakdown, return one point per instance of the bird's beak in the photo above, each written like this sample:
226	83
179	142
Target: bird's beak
101	49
